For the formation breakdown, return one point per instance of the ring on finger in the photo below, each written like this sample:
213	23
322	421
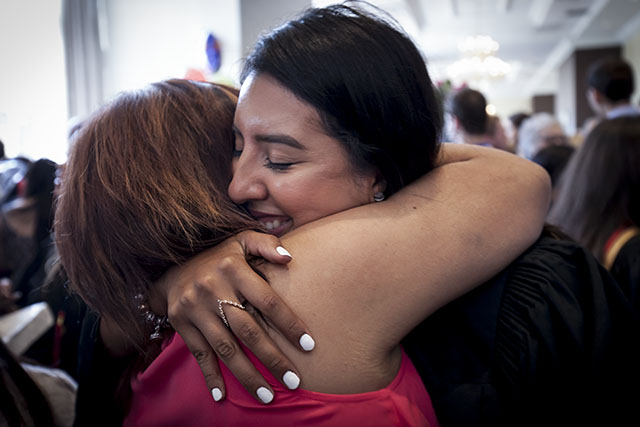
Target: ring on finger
232	303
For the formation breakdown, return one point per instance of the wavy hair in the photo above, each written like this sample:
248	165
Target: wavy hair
145	188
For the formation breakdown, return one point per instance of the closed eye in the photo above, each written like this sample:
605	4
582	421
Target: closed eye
278	167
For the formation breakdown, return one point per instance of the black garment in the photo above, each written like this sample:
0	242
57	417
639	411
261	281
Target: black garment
21	400
99	376
626	271
551	340
58	346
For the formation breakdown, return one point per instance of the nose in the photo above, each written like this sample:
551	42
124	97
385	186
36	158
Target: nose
246	185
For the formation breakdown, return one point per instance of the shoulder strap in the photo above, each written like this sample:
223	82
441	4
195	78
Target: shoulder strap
614	248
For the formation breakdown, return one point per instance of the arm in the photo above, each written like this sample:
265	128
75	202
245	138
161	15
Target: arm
404	258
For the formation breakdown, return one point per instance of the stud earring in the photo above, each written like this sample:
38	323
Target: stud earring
378	197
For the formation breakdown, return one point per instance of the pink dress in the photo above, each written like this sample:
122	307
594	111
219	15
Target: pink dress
172	392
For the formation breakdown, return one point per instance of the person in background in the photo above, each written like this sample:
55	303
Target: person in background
554	159
22	402
513	127
467	109
610	84
498	134
597	202
35	278
537	132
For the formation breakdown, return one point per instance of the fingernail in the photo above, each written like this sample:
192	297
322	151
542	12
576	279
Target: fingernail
216	393
291	380
283	251
265	395
306	342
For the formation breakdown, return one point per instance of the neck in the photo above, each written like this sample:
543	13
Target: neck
475	139
613	105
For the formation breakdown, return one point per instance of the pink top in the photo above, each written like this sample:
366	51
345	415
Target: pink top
172	392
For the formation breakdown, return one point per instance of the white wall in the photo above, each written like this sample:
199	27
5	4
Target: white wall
33	100
631	52
259	16
145	41
151	40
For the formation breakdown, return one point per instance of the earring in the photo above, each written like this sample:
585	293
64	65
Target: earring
378	197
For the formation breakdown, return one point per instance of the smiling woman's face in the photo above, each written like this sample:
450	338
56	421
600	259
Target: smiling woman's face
287	170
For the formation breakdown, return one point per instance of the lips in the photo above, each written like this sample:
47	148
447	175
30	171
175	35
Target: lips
273	223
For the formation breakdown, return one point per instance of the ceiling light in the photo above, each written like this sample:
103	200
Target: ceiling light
478	62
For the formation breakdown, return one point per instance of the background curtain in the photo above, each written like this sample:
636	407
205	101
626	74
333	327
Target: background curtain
82	22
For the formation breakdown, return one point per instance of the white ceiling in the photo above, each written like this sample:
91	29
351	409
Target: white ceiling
535	36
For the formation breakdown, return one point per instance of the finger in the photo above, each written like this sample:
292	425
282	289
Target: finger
230	353
206	358
265	245
254	337
258	292
283	319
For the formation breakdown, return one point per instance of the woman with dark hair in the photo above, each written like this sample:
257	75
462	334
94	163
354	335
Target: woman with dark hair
121	224
503	353
597	202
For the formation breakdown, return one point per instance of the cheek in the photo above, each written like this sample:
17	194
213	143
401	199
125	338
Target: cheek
326	198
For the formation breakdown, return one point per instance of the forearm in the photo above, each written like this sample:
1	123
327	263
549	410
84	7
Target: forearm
518	190
408	256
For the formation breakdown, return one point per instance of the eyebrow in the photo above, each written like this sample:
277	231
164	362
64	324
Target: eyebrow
280	139
276	138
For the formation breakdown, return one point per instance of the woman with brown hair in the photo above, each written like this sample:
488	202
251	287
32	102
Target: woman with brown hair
144	189
598	204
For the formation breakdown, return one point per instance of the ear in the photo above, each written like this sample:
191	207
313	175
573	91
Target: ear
597	96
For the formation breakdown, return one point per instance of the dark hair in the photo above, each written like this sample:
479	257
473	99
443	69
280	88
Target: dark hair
368	82
145	188
554	159
612	77
517	119
470	108
40	183
599	191
1	149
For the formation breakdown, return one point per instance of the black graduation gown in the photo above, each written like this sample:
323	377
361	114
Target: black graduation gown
551	340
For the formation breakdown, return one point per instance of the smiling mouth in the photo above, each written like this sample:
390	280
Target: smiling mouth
277	227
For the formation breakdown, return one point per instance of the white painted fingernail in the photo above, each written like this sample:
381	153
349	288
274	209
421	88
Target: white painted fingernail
306	342
291	380
216	393
283	251
265	395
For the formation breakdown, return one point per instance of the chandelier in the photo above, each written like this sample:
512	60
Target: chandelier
478	62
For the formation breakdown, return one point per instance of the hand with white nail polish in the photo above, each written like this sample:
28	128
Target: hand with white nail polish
224	273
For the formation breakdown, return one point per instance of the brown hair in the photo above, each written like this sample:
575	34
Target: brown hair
598	190
145	188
